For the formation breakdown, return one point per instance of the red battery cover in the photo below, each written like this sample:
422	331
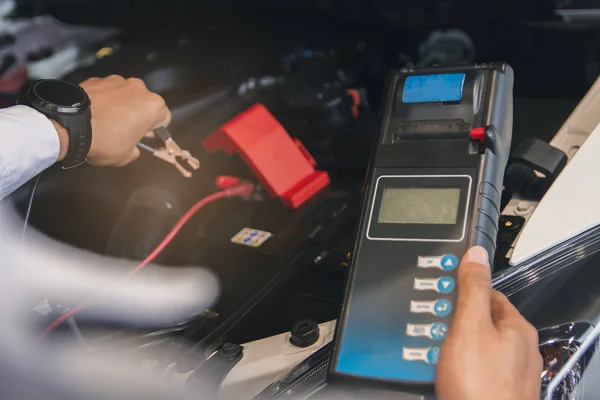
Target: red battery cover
282	164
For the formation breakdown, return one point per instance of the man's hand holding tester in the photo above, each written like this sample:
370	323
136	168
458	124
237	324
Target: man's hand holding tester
491	351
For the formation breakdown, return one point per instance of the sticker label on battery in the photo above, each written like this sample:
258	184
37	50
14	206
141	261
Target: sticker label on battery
251	237
433	88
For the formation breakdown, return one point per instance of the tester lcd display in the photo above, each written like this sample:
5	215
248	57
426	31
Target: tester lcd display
433	190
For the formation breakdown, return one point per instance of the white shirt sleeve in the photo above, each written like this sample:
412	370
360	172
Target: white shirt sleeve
28	145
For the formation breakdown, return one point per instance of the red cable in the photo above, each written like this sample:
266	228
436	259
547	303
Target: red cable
242	190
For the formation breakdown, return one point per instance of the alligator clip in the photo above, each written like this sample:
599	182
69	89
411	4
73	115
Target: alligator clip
171	152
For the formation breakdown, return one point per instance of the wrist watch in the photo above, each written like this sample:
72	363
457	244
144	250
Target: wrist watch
69	105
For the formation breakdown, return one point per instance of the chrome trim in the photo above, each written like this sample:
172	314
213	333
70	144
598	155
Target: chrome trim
591	338
576	330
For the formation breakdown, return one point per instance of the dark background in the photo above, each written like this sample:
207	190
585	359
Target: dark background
554	62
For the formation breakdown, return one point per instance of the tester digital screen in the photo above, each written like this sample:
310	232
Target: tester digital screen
419	206
433	88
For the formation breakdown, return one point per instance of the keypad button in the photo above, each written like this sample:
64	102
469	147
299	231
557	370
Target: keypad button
429	262
428	355
440	308
444	284
449	262
436	331
432	355
422	307
416	330
426	284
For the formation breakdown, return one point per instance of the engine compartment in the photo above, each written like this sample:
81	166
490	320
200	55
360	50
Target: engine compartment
208	76
308	70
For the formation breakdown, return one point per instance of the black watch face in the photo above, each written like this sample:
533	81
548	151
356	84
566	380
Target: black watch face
61	94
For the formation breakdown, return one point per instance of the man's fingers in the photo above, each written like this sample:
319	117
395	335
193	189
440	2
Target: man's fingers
508	320
474	288
115	78
135	154
503	310
168	118
164	118
160	112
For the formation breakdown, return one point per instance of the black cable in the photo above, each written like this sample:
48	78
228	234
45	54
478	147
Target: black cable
32	189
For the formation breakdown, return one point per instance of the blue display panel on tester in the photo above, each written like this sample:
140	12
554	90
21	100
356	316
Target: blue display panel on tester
432	191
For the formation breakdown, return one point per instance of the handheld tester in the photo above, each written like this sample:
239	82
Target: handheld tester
433	190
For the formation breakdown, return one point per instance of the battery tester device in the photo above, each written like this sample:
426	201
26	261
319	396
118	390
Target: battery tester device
433	190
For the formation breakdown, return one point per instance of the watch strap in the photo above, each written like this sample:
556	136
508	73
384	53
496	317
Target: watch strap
79	127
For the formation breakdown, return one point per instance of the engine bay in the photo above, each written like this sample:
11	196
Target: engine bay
319	73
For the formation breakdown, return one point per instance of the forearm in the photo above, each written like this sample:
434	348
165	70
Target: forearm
29	143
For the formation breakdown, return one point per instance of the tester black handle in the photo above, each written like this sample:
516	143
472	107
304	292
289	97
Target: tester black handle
489	214
497	140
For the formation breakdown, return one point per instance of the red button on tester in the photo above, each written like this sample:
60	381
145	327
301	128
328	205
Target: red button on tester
478	134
